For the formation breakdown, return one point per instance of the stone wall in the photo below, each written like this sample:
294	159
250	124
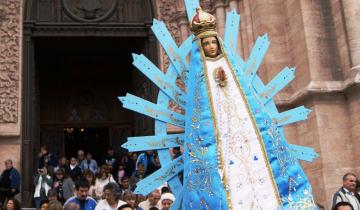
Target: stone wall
10	80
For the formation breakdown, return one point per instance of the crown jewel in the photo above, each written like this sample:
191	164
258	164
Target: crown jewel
203	24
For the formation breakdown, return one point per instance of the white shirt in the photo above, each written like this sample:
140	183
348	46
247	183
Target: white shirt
351	198
100	183
104	205
38	186
145	205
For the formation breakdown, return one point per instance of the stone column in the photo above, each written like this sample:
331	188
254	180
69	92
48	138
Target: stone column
352	20
184	27
269	19
220	17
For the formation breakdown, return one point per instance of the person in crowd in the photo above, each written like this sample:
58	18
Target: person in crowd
154	208
45	158
112	195
64	185
112	159
81	197
42	183
347	192
55	205
125	186
130	199
151	201
72	206
73	170
145	159
90	177
52	195
139	175
140	198
80	156
176	152
104	177
120	172
62	163
165	189
125	207
44	204
130	166
9	182
12	204
154	165
343	206
89	164
167	199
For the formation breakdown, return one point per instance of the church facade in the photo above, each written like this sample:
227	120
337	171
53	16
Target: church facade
59	65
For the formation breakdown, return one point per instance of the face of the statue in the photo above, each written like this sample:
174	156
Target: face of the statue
210	46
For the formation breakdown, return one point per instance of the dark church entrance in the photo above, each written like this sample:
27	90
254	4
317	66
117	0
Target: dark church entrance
79	81
76	62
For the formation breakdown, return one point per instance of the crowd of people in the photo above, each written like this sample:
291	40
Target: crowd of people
83	183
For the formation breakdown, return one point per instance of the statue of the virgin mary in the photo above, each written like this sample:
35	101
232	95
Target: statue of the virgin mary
234	157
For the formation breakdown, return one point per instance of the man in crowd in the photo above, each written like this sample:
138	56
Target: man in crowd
343	206
82	199
80	156
112	194
89	164
152	201
347	192
9	181
112	160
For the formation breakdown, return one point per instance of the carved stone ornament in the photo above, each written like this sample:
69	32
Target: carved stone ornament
9	60
89	10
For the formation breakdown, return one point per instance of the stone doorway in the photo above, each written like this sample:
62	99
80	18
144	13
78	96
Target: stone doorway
75	64
78	83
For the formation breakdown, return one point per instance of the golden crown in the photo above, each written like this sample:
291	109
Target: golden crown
203	24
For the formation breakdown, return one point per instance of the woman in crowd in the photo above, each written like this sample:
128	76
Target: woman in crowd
12	204
73	170
44	204
104	177
131	200
64	185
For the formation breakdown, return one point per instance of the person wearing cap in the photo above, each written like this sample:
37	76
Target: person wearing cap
167	199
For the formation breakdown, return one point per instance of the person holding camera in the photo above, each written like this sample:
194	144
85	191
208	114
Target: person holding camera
42	183
63	185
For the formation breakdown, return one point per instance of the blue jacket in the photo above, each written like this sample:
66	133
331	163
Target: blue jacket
88	204
14	179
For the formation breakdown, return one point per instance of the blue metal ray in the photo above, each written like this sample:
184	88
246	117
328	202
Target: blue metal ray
303	153
159	79
276	84
191	6
291	116
231	31
256	56
171	49
152	110
141	143
156	179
